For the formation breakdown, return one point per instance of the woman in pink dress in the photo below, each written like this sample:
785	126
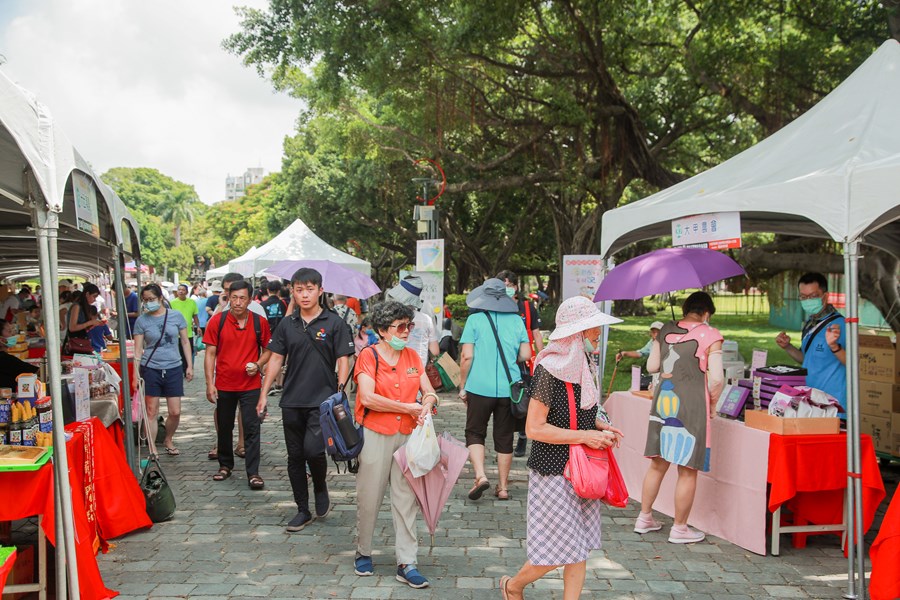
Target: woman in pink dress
688	356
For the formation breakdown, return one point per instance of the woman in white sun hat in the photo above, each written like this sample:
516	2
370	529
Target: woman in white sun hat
562	527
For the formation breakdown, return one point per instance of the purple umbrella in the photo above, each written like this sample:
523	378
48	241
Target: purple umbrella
433	488
336	279
666	270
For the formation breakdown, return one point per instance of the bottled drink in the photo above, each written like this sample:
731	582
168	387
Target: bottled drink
345	426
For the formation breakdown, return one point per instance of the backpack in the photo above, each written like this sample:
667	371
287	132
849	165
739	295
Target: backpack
256	327
335	446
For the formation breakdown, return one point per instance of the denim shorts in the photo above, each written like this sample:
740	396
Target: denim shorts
163	383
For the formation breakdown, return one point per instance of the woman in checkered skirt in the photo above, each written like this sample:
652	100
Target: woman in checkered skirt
563	528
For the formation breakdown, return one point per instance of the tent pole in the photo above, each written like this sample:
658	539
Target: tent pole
46	226
854	463
123	358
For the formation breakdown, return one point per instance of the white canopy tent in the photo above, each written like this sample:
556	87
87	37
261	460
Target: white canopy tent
297	242
832	173
41	233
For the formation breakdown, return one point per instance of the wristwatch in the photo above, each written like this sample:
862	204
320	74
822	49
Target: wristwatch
839	348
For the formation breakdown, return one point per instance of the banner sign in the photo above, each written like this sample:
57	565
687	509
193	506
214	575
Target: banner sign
430	255
581	275
85	205
716	231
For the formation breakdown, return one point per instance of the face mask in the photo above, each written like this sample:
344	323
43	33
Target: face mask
589	346
397	343
151	306
11	341
811	306
511	292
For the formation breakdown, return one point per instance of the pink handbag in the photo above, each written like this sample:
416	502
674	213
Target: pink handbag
588	468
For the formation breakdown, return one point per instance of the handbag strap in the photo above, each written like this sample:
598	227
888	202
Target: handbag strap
499	348
809	340
162	333
573	416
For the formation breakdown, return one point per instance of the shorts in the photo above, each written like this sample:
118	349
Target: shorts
163	383
479	410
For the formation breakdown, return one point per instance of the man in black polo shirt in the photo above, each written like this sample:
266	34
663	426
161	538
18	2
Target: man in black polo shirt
313	340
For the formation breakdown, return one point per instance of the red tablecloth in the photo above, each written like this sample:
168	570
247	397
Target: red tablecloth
808	474
106	499
117	367
885	556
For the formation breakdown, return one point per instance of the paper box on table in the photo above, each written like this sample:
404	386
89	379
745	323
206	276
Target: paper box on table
880	430
760	419
878	359
82	394
879	399
29	387
895	434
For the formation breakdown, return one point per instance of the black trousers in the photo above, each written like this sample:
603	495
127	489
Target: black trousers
227	405
305	446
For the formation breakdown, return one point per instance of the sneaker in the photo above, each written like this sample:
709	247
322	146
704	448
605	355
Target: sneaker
521	446
411	577
646	524
682	534
296	524
363	566
323	504
274	392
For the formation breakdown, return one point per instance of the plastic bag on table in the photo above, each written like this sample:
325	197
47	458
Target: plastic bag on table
422	450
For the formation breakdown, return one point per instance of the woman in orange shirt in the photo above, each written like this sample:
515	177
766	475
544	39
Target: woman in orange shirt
389	377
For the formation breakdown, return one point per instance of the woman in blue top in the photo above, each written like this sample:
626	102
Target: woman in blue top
157	333
484	385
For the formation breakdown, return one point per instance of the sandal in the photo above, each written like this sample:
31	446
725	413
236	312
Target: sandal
213	454
222	474
256	482
479	488
504	581
173	451
240	452
501	493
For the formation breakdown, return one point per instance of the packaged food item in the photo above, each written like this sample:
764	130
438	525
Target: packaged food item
15	425
44	414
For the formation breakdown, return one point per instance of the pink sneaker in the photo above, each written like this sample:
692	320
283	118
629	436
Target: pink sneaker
682	534
646	523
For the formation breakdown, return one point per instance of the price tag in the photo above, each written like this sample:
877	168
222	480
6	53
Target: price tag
759	359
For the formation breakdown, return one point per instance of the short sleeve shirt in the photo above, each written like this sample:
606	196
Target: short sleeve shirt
311	350
202	315
187	308
824	371
551	459
236	347
211	303
275	309
486	376
533	315
151	327
132	304
399	382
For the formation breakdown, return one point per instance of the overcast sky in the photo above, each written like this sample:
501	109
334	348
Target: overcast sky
147	84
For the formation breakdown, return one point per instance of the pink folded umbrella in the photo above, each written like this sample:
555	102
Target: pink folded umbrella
433	489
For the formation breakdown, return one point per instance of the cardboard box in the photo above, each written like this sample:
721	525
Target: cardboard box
760	419
879	399
895	434
880	430
878	359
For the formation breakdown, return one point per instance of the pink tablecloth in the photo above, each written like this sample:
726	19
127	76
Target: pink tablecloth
731	497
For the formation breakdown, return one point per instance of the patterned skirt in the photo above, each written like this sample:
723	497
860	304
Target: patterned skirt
563	528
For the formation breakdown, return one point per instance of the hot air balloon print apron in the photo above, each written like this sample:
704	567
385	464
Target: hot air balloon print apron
679	417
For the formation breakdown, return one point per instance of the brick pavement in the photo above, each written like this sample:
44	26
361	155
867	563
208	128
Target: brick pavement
229	542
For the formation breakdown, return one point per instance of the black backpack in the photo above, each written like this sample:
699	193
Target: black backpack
257	327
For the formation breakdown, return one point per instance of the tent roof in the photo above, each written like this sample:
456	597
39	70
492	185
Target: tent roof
833	172
297	242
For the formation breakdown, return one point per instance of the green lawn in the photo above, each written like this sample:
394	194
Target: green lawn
749	331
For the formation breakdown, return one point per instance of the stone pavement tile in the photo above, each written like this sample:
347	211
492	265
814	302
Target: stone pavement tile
784	591
667	587
213	589
173	589
251	591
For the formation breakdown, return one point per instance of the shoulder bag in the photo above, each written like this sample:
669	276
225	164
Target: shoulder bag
518	391
158	496
78	344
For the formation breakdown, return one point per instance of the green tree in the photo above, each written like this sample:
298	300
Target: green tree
179	207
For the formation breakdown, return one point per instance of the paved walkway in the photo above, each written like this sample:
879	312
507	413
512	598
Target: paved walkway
229	542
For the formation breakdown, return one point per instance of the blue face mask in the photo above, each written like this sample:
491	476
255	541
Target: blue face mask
511	292
151	306
397	343
12	341
812	306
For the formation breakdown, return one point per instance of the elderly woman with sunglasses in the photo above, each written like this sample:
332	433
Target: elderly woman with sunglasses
389	377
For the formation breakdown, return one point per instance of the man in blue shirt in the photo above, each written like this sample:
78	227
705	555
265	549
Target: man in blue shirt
822	350
132	304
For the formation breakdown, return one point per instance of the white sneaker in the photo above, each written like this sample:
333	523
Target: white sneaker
646	524
685	535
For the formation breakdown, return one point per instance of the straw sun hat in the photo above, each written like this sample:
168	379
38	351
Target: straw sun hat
578	314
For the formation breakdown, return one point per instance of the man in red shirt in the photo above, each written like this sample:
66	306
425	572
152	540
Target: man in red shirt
236	352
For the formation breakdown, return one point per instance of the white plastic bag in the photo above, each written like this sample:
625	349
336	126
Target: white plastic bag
422	450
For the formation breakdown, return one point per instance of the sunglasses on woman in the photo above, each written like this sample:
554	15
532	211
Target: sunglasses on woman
402	327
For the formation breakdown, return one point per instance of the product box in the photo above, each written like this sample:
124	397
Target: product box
760	419
895	434
880	430
879	399
879	359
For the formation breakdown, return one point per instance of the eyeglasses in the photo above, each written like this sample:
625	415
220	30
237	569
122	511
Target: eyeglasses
811	296
402	327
